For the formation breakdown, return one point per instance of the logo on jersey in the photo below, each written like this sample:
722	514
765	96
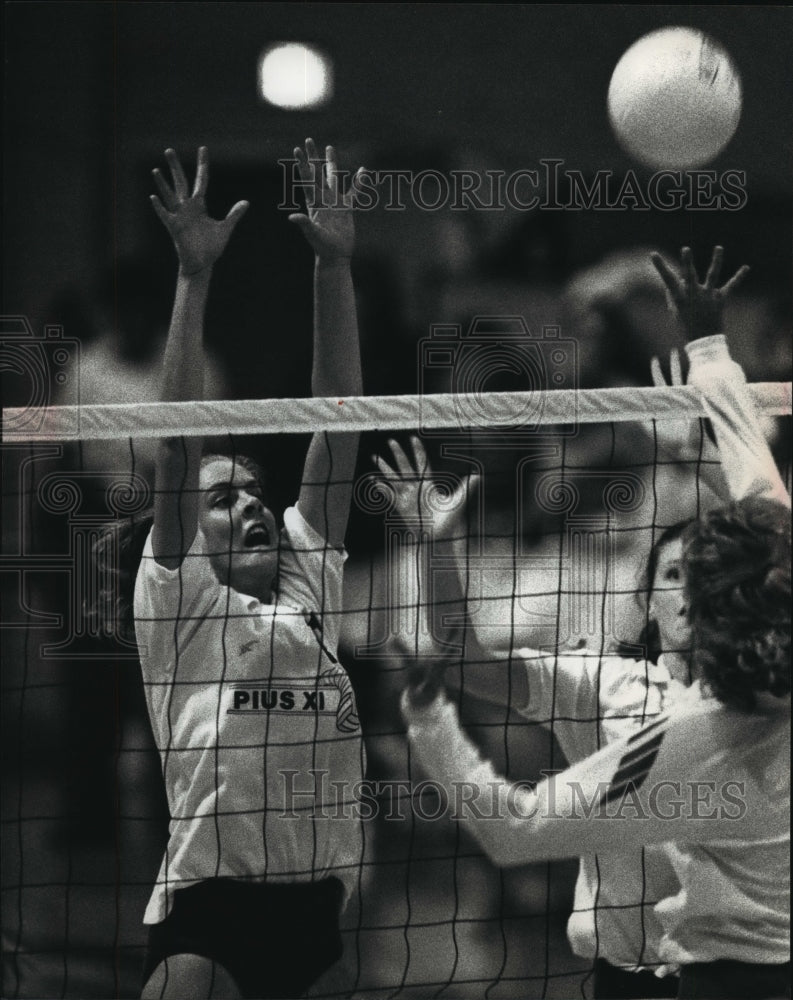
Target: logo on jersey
636	763
330	694
346	715
296	698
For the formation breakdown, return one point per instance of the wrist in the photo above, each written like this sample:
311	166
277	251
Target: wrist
694	336
325	263
710	347
700	325
196	274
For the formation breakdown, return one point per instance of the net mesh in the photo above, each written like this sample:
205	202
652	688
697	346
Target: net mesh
520	538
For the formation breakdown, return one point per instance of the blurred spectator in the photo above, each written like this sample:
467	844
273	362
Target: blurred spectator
122	339
616	310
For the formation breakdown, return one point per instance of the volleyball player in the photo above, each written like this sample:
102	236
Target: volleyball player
237	625
590	699
596	699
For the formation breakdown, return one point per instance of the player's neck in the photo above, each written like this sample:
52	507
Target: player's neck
679	666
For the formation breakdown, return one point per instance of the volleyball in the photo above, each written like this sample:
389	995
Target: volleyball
674	99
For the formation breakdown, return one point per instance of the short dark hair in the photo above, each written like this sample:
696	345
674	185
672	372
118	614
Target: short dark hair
737	569
117	555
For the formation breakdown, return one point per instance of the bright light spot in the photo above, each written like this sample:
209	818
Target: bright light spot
292	75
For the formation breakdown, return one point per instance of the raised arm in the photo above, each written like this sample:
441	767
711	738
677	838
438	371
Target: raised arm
326	490
747	462
547	686
680	779
199	241
681	440
437	506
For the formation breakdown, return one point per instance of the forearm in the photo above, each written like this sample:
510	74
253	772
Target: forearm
453	589
629	794
433	581
484	802
497	677
336	369
561	692
183	367
183	363
326	491
699	453
746	459
178	459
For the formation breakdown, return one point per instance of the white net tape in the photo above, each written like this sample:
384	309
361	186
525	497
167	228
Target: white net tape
523	410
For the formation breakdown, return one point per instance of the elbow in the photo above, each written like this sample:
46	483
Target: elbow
497	855
172	448
504	846
502	854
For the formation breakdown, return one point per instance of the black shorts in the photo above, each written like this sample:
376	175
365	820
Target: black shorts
275	940
741	980
613	983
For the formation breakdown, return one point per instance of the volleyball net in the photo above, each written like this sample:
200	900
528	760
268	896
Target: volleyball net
535	517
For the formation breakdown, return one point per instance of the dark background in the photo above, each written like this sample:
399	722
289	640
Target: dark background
94	92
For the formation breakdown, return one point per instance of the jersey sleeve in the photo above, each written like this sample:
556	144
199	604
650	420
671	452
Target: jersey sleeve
678	779
165	597
746	459
310	574
586	699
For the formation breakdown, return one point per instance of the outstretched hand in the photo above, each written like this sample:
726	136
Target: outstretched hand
328	225
698	305
419	492
199	240
435	501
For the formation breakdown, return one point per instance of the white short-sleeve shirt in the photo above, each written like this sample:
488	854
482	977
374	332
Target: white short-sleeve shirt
254	719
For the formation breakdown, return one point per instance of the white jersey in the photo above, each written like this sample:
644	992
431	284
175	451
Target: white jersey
713	781
746	459
731	896
587	701
734	900
253	718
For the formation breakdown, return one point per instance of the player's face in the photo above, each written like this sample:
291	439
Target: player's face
240	533
668	601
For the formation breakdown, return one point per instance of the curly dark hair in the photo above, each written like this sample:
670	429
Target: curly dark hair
117	556
737	562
